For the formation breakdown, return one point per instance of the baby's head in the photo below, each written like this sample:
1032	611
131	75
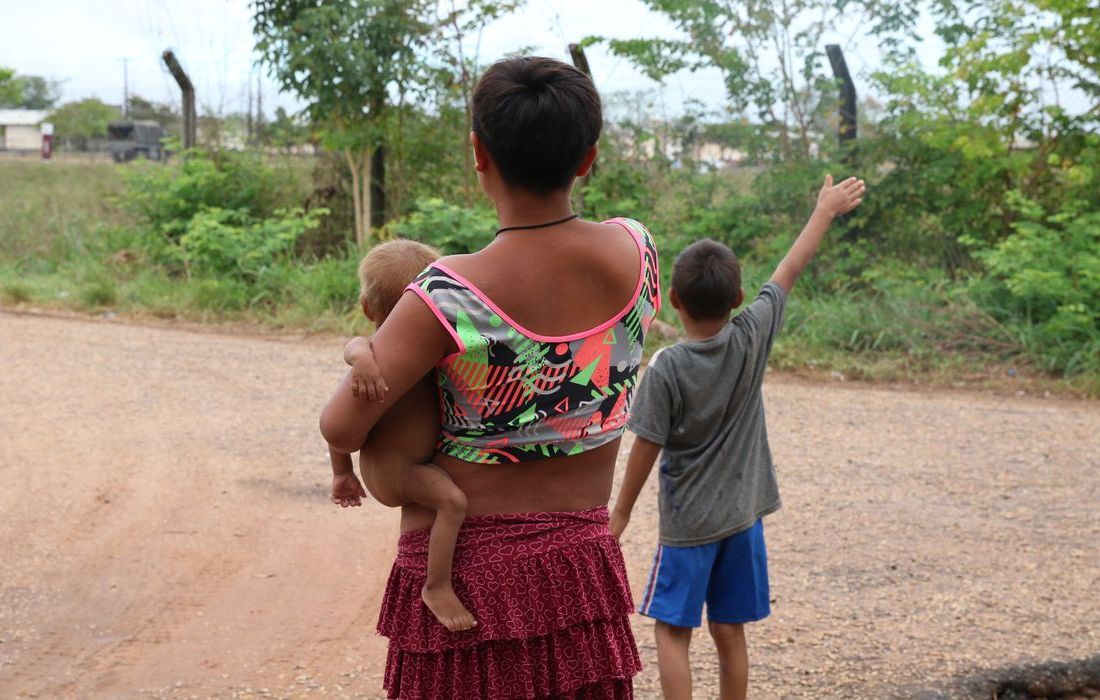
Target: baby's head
385	272
538	118
706	281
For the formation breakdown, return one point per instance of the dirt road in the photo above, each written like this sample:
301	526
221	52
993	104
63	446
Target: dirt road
165	529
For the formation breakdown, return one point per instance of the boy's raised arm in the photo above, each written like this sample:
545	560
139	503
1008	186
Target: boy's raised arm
832	201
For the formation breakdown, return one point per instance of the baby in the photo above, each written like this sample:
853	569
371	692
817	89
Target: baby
394	462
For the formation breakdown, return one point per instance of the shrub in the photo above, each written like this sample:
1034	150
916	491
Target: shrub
169	197
1045	279
229	242
451	228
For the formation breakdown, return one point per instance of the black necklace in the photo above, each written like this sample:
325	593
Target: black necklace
546	225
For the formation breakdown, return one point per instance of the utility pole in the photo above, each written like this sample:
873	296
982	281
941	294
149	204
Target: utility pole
125	87
188	92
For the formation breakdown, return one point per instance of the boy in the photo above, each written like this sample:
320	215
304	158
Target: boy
699	406
395	461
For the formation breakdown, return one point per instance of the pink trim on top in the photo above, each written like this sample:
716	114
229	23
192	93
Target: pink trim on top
439	314
560	338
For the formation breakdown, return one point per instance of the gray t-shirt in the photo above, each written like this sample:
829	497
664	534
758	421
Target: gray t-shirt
701	400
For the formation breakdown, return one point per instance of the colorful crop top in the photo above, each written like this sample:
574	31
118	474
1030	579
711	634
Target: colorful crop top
510	395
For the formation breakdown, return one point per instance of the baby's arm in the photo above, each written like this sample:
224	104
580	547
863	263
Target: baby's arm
638	466
366	378
346	488
832	201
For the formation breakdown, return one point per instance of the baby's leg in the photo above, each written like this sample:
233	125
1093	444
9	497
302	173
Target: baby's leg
428	485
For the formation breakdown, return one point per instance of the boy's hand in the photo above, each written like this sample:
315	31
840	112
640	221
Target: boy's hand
366	377
835	200
347	490
618	523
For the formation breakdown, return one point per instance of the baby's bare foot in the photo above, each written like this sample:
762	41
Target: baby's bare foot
446	607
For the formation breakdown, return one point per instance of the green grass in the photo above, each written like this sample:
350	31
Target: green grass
50	210
65	243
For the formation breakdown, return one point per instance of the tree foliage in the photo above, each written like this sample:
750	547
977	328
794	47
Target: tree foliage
769	55
349	62
27	91
86	119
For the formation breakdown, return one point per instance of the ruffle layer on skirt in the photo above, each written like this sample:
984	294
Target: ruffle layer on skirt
551	598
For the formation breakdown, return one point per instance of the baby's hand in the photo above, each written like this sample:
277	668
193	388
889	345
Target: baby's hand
347	490
835	200
366	378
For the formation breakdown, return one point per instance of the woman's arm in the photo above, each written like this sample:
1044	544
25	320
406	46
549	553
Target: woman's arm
406	347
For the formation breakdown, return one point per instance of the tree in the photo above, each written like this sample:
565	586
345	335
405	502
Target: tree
76	122
162	113
347	60
27	91
10	89
457	22
286	130
769	54
40	93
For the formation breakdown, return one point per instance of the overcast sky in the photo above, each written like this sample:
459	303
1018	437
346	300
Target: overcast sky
84	44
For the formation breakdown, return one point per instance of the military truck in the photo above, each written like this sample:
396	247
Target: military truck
131	139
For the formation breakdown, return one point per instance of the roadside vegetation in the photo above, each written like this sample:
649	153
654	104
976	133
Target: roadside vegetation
975	256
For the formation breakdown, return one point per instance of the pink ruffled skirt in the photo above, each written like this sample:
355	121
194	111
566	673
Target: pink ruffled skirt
551	598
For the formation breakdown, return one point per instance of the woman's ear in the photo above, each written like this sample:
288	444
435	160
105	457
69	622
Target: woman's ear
589	160
481	154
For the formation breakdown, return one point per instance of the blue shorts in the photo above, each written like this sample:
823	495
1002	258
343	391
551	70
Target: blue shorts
730	576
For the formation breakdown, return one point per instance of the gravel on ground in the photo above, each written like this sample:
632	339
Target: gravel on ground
166	530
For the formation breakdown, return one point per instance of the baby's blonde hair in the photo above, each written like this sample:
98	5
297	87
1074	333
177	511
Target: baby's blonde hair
387	269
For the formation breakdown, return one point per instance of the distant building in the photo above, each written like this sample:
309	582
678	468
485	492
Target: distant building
20	130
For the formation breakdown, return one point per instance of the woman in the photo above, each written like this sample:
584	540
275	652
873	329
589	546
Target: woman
537	339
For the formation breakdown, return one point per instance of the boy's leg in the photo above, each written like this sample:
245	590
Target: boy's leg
738	592
674	596
430	486
733	659
673	660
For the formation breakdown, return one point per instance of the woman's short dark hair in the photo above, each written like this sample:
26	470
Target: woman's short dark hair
707	279
538	117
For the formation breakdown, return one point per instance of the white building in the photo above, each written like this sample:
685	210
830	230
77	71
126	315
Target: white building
20	130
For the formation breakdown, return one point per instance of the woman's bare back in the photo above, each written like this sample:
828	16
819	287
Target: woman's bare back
557	282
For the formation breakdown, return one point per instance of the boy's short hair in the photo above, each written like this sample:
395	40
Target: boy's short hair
537	117
388	268
707	279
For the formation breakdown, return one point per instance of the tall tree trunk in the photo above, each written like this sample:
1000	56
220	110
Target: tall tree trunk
360	194
374	188
378	186
353	166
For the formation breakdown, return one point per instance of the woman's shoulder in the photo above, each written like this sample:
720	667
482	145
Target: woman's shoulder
458	264
630	223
